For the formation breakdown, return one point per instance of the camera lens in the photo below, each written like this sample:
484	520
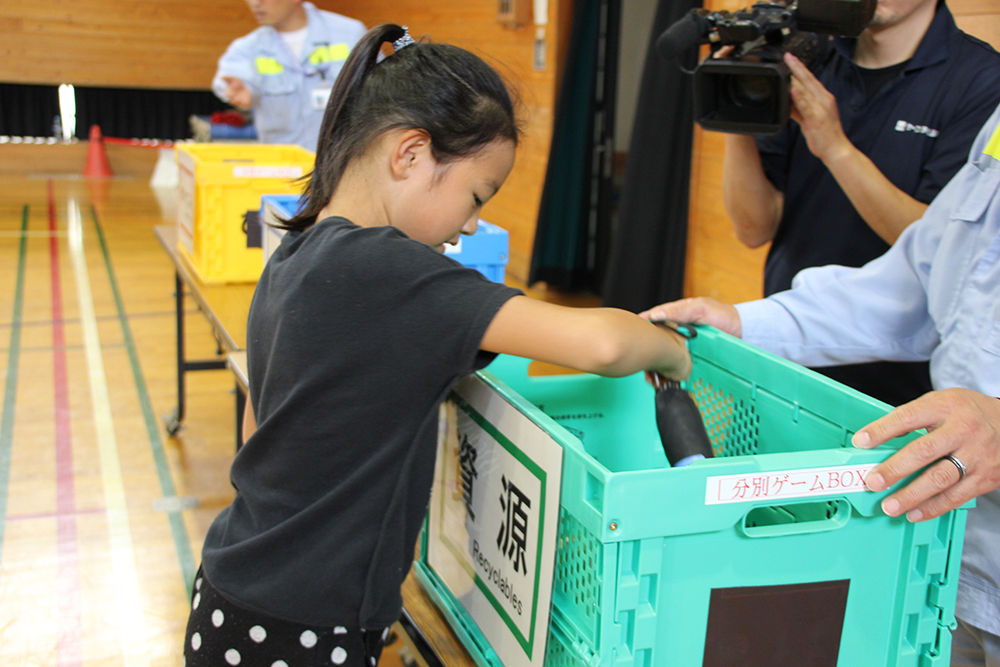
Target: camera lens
751	90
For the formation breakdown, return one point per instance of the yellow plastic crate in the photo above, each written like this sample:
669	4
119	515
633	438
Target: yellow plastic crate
218	185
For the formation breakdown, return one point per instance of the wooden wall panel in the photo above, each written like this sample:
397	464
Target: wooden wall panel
473	26
718	264
118	43
176	44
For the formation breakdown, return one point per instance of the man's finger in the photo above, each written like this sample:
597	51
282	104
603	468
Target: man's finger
907	418
939	476
922	452
952	498
804	77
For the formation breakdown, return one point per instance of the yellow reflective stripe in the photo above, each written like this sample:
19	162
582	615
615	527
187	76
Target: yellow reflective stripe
269	66
993	145
339	52
327	54
319	56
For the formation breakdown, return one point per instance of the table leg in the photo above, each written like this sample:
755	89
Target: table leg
241	404
173	421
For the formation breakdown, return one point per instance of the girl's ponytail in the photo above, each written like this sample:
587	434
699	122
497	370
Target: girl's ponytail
330	163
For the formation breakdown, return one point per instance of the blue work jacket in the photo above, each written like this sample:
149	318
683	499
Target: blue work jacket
289	93
934	295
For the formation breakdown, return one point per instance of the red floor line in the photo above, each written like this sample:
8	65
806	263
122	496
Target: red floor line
37	516
69	630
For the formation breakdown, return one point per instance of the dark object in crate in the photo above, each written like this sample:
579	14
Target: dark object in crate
681	428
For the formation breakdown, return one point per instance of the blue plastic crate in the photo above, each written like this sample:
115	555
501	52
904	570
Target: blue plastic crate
284	206
272	209
486	250
645	566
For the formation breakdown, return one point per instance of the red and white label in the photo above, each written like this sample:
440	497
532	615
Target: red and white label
753	487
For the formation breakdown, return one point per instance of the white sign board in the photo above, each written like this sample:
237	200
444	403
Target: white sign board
494	518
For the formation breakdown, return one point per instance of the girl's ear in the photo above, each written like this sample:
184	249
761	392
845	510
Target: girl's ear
410	149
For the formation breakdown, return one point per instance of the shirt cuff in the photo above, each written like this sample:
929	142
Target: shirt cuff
764	321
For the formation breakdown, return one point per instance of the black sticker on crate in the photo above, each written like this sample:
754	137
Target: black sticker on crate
764	626
252	228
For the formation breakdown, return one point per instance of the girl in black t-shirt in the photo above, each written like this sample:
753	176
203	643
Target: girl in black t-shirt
356	332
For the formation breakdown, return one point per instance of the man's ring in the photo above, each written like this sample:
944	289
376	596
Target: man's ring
958	464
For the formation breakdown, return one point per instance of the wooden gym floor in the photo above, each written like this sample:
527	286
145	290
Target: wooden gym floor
98	539
97	556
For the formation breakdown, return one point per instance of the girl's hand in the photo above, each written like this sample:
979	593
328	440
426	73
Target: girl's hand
680	364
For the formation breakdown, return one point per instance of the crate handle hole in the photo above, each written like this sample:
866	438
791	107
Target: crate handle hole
796	518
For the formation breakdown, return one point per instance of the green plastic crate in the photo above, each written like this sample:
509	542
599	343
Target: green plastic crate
640	551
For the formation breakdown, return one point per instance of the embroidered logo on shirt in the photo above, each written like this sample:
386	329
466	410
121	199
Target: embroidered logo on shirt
903	126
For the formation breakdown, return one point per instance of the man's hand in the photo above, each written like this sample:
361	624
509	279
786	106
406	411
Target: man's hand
814	108
701	310
237	94
959	422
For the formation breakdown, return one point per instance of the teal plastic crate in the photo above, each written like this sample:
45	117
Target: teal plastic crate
648	574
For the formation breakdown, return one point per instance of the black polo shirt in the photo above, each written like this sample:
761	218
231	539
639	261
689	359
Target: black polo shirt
917	129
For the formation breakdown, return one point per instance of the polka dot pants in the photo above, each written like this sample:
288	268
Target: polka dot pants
220	633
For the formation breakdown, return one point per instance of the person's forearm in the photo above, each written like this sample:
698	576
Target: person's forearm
606	341
751	200
249	425
631	344
884	207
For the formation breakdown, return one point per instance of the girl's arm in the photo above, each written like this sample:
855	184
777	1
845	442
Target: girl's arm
605	341
249	421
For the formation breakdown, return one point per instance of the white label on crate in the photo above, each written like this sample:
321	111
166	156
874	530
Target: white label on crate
493	519
781	484
267	172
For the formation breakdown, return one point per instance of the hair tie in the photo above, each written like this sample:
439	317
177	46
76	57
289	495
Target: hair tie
403	41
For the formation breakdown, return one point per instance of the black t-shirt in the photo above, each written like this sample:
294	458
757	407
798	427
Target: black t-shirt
354	338
875	79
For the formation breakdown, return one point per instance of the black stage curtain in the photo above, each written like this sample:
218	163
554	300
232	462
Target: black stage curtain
646	265
142	113
29	111
574	218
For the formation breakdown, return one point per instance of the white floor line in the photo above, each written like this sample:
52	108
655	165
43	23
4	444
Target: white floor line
130	619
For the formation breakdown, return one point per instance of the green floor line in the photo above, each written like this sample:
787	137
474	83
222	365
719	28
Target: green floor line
182	543
10	387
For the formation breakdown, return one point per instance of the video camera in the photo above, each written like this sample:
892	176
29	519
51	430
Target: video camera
747	91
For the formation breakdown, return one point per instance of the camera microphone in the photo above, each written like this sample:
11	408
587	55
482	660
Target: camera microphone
683	35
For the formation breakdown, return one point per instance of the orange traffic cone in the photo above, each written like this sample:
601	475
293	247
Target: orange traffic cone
97	157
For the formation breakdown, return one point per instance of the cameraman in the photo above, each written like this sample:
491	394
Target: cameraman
933	295
884	125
